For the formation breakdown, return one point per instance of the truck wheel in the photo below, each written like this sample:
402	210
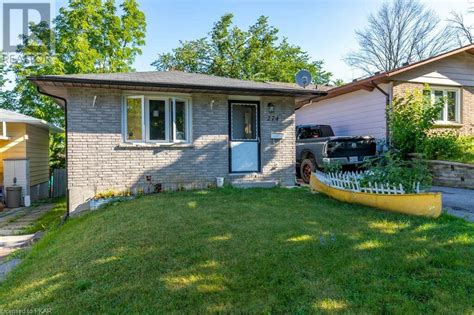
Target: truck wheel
307	167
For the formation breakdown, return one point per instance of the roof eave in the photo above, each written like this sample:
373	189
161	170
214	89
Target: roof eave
367	84
224	89
383	77
39	123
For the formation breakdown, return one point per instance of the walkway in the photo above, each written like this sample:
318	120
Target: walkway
12	222
458	202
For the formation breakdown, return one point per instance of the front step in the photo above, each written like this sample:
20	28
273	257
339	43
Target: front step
254	184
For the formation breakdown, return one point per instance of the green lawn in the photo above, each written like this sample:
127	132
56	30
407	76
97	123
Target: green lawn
261	251
50	219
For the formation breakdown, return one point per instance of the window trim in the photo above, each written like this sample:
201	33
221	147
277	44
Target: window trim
170	120
187	119
445	90
125	118
147	120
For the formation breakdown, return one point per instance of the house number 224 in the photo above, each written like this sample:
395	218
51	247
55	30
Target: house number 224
272	118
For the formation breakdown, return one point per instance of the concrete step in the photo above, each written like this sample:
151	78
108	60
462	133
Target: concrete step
254	184
16	241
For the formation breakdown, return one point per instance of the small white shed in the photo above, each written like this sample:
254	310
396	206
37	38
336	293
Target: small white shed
24	154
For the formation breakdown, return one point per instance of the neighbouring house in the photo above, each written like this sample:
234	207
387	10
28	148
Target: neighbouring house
24	153
358	108
173	130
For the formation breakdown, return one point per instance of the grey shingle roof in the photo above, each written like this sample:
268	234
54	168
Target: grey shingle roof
177	79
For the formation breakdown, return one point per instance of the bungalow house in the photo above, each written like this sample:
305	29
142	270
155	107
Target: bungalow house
358	108
24	153
173	130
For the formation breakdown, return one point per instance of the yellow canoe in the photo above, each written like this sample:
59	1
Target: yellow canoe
422	204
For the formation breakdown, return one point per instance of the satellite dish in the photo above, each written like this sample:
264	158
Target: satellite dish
303	78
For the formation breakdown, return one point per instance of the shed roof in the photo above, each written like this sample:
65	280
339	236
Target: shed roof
14	117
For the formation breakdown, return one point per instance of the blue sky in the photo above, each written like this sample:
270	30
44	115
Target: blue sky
324	28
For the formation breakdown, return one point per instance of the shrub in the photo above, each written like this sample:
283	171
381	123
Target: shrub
112	193
332	167
410	120
442	145
467	149
392	169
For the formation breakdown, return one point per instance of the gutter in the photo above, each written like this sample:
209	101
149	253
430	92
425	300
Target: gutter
66	216
388	107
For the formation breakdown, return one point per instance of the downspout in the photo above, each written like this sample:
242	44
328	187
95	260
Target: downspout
388	108
66	216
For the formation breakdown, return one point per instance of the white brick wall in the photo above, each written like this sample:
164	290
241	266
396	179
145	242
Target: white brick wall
97	163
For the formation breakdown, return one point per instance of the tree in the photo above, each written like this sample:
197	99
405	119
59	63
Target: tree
463	31
89	36
338	82
410	119
3	80
255	54
401	31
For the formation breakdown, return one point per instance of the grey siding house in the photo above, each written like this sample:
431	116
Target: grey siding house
152	131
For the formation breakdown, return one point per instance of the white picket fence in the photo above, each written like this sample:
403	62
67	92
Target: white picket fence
351	181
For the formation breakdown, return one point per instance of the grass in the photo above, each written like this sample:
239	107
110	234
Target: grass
50	219
256	251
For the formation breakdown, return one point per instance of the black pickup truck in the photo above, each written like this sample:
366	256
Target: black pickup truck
316	145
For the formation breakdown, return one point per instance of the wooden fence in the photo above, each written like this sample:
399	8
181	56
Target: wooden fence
351	181
58	182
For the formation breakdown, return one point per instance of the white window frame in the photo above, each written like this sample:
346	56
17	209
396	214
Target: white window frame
445	90
147	120
125	123
170	119
187	119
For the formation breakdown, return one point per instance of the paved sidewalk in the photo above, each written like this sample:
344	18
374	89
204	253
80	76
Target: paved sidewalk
13	221
458	202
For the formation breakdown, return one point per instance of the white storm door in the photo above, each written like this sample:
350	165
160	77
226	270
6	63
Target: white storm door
244	137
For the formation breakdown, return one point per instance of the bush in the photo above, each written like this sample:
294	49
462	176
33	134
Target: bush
410	120
393	170
332	167
112	193
467	149
442	145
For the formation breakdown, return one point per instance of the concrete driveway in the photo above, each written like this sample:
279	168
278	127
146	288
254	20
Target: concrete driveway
458	202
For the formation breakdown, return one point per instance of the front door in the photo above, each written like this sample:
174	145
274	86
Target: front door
244	134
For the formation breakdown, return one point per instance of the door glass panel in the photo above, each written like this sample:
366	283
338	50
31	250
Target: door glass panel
451	105
157	115
134	119
180	120
439	99
244	121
